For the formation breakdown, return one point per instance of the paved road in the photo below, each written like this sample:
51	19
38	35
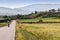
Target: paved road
8	33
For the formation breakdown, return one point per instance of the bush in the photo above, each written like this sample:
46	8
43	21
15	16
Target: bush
40	20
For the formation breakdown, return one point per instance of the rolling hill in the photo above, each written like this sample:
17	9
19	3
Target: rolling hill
9	11
40	7
28	9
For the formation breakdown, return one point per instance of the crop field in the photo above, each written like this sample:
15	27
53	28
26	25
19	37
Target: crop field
53	19
3	24
41	31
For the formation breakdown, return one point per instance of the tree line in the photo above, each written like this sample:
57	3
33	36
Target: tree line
43	14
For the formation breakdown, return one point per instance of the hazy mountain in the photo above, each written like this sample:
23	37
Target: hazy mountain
9	11
28	9
40	7
23	12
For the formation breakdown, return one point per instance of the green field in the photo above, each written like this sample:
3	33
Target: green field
50	31
3	24
50	19
38	31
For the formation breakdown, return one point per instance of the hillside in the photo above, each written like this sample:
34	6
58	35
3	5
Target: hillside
40	7
28	9
9	11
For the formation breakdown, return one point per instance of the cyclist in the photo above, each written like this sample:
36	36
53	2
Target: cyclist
8	24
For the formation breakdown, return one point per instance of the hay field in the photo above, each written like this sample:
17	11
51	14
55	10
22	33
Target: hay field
45	31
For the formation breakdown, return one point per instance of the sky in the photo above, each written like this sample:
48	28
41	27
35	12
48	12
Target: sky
22	3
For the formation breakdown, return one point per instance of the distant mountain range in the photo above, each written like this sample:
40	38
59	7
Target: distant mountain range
40	7
9	11
28	9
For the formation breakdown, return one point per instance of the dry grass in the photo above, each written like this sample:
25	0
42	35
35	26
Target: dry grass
38	31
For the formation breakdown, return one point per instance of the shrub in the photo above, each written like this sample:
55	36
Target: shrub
40	20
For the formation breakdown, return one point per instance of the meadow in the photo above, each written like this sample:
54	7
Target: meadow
49	19
41	31
3	24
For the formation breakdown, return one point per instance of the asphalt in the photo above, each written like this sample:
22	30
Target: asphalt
8	33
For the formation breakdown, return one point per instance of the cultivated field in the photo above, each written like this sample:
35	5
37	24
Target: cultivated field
42	31
49	19
3	24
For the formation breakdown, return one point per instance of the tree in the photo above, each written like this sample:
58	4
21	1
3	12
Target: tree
5	16
58	10
40	20
35	12
18	16
53	10
49	11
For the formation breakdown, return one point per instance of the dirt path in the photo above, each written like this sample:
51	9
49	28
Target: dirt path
8	33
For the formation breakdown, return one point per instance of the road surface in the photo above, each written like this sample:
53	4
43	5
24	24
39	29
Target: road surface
8	33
